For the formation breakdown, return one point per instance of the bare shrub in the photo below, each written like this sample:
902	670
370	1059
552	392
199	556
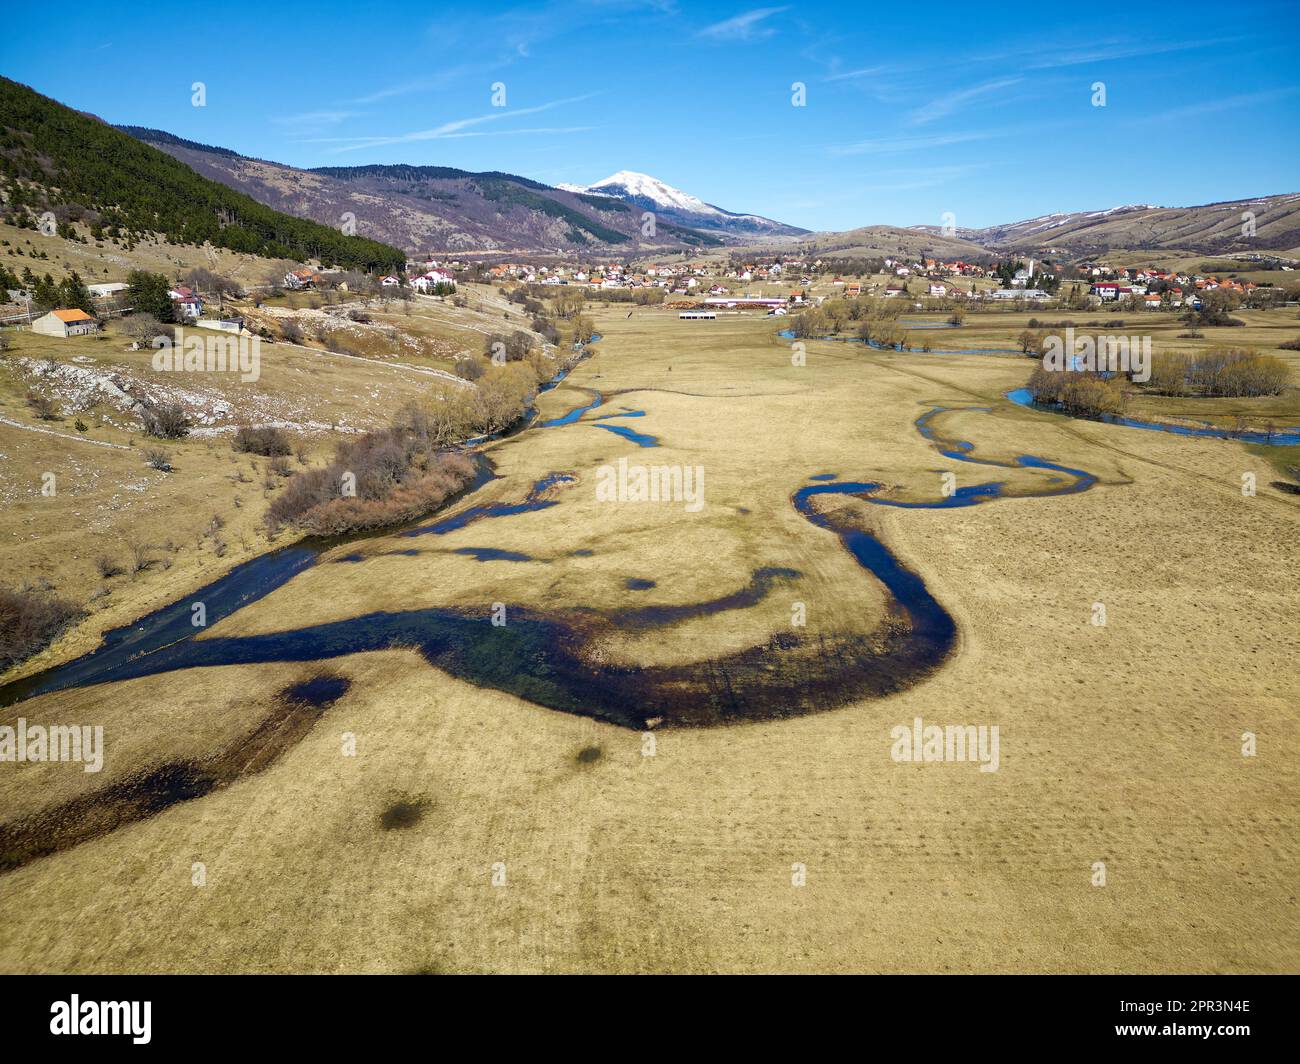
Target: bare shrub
1091	395
108	566
144	328
512	348
470	369
157	458
1081	394
1169	374
141	556
166	421
1238	372
1032	342
31	618
43	406
397	474
268	441
502	395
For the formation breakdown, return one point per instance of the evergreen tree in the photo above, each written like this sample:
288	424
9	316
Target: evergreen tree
74	293
45	293
147	294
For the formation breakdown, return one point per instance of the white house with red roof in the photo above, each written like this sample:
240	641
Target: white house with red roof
431	279
186	302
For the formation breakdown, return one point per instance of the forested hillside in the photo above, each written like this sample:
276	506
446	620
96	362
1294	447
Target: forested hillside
53	158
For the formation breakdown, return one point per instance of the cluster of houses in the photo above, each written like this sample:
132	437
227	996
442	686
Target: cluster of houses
420	277
689	278
710	281
305	278
432	279
681	278
1159	289
940	276
109	298
703	284
426	276
773	270
935	268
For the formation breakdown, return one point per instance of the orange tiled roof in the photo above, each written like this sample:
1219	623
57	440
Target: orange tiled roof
70	316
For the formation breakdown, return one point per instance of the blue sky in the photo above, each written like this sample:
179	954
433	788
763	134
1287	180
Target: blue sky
985	111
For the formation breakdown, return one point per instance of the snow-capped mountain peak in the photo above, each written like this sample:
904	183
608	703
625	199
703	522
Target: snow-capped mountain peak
676	206
629	184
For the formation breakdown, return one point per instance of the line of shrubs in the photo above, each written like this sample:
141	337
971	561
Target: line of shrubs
1228	372
398	473
836	315
380	478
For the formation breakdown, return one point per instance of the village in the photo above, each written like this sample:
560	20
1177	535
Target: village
775	284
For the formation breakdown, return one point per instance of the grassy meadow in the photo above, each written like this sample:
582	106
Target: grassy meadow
472	831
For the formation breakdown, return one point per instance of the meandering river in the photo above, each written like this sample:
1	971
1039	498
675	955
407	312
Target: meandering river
540	655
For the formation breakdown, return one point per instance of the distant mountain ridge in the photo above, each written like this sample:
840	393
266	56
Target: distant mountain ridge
411	208
434	208
1262	223
159	137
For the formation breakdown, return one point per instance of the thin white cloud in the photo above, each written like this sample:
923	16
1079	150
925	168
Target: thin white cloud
557	130
453	128
743	27
864	72
501	40
1108	51
311	120
889	145
446	75
390	91
1222	103
949	102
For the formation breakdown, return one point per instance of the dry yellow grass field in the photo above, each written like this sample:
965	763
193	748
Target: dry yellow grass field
106	501
110	261
476	832
106	498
